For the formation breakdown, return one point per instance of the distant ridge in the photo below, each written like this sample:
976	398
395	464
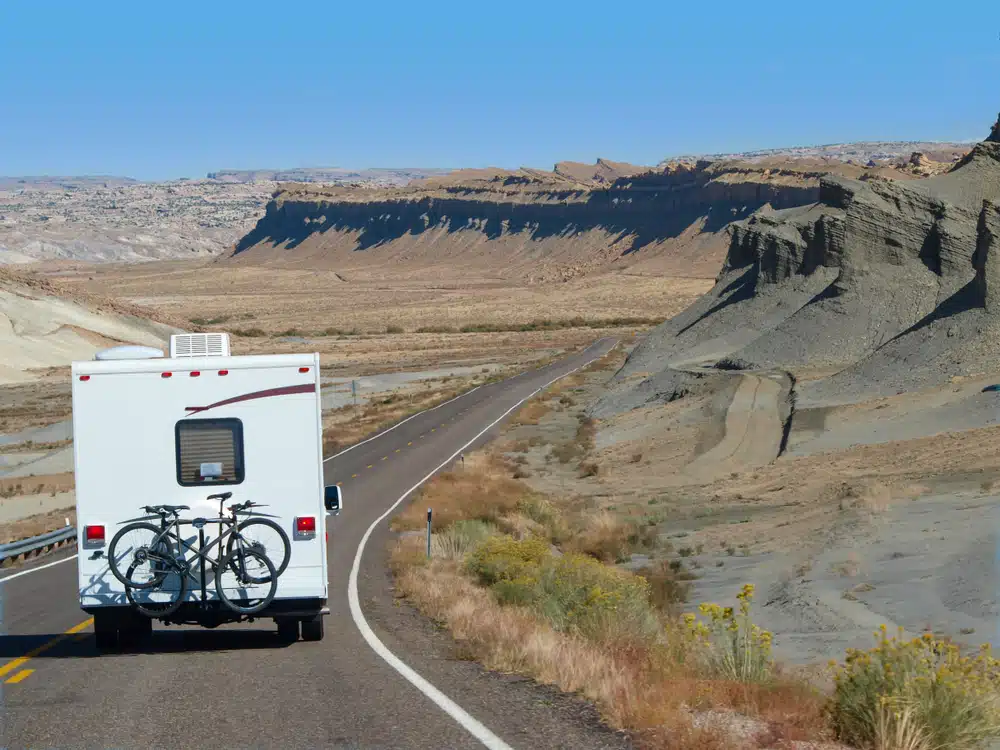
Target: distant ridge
858	152
386	176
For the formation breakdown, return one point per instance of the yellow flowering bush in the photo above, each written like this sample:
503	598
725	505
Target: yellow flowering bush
504	558
949	699
732	645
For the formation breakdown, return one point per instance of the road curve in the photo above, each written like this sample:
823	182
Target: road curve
238	686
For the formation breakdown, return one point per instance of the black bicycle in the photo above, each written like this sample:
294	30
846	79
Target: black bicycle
156	579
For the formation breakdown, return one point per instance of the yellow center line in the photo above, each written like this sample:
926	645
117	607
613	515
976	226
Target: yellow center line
22	660
370	465
384	458
397	450
433	429
410	443
20	676
339	484
354	476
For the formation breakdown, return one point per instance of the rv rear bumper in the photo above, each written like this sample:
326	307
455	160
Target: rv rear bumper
212	613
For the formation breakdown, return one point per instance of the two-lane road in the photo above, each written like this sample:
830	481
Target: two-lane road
382	678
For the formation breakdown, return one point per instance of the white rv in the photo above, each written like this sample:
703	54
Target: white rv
153	430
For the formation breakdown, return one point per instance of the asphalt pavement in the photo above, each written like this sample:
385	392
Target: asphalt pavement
383	677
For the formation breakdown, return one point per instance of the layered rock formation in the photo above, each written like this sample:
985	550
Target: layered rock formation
896	284
534	224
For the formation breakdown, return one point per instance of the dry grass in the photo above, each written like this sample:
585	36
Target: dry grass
30	446
36	404
37	485
481	490
609	538
532	412
640	687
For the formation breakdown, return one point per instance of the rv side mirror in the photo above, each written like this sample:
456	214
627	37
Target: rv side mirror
332	498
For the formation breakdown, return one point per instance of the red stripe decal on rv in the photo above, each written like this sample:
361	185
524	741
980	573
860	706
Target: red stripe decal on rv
283	391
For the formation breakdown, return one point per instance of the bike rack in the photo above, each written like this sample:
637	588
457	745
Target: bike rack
201	545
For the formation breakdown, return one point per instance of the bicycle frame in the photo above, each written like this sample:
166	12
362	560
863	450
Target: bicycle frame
171	532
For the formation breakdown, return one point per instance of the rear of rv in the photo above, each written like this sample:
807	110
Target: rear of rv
145	429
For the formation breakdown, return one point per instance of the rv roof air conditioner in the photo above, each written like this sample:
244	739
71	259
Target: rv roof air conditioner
129	352
199	345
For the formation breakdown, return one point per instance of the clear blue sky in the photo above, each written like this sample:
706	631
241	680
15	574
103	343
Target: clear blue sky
169	89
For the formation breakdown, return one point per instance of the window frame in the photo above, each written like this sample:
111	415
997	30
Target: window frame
236	425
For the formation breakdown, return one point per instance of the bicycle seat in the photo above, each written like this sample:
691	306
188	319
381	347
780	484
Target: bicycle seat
220	496
165	509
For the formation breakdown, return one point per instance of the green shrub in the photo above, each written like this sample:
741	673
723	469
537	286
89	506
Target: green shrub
249	332
436	329
574	592
460	538
538	509
579	594
925	685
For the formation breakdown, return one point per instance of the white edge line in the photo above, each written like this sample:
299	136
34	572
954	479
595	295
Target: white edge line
399	424
446	704
40	567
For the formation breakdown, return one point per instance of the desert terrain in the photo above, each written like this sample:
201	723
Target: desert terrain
767	431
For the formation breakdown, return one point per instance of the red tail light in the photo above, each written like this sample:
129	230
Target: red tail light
303	369
223	372
305	525
195	373
93	533
85	378
166	374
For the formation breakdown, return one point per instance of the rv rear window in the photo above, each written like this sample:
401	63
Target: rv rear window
209	452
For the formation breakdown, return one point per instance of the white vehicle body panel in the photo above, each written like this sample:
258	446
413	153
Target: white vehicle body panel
125	414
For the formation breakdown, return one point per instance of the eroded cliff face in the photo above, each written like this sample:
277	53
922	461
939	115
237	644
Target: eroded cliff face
930	228
533	224
896	284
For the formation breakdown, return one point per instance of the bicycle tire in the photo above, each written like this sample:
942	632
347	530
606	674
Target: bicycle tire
235	561
155	609
240	527
113	561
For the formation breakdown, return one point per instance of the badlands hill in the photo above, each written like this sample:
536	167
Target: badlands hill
113	219
892	285
538	225
44	324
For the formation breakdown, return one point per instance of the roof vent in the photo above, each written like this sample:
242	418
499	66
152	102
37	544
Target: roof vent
129	352
199	345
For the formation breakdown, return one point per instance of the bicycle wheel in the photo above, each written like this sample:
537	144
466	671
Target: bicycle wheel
161	601
264	535
135	547
246	581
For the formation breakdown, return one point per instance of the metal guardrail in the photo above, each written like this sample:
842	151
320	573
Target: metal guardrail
37	544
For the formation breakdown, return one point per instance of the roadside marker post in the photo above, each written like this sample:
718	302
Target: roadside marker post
429	512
